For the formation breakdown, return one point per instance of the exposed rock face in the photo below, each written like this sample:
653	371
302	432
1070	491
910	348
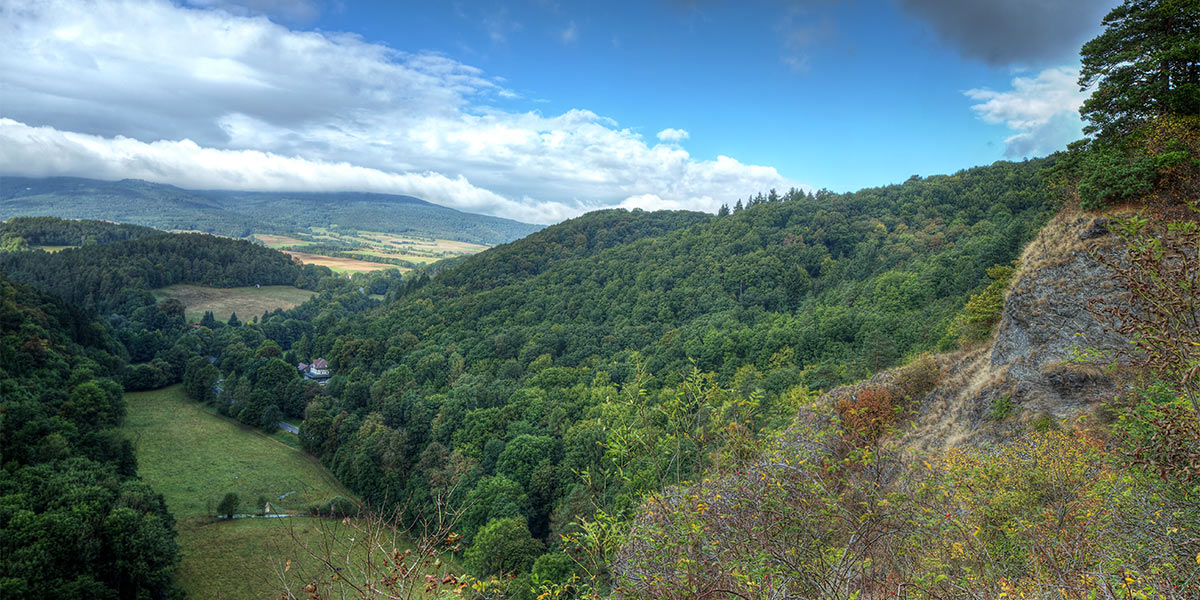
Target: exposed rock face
1030	363
1046	315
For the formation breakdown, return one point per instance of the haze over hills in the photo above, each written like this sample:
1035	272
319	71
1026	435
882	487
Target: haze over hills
239	213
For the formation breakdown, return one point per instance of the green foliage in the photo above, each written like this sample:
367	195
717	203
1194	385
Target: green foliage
12	242
502	547
228	506
982	312
75	520
1002	408
1143	65
1044	422
118	276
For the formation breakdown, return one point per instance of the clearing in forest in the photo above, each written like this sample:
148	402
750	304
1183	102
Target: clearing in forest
193	458
247	301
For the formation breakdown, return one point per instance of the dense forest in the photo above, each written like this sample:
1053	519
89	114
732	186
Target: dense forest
107	276
628	404
240	214
19	233
608	356
75	520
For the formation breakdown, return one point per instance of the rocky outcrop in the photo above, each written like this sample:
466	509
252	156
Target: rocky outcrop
1032	368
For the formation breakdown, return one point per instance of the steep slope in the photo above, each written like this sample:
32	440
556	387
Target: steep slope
1033	365
239	214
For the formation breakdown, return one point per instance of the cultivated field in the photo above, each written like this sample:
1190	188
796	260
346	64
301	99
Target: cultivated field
366	245
338	264
248	301
278	241
194	458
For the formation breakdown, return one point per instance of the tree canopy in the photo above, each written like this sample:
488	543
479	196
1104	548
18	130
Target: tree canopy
1146	63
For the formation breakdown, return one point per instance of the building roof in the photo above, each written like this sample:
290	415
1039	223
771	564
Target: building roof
320	363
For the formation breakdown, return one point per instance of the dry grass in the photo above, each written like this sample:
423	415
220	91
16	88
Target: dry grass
278	241
249	301
340	265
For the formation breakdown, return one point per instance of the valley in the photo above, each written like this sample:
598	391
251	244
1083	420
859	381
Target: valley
254	378
242	558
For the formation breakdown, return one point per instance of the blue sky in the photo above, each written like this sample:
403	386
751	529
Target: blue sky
537	110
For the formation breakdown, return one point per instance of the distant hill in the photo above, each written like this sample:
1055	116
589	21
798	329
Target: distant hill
239	214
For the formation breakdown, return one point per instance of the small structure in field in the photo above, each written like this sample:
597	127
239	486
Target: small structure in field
318	371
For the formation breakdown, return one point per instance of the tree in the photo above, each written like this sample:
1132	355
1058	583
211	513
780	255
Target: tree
1143	65
228	506
502	547
209	320
233	320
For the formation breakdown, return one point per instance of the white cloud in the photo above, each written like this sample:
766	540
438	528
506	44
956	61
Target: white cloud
570	35
136	89
186	164
673	135
1043	110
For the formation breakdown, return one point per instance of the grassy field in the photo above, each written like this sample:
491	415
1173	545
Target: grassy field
279	241
52	249
340	265
249	301
194	458
366	245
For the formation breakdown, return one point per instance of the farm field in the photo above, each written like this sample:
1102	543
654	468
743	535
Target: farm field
249	301
339	264
194	458
278	241
365	245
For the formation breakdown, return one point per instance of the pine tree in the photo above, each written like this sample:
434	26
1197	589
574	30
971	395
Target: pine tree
1145	64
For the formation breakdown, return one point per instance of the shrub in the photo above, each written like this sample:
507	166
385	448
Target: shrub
918	378
869	415
1002	408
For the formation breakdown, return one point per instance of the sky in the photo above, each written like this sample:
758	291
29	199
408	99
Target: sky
537	110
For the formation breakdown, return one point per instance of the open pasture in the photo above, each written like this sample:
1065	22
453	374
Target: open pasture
247	301
194	458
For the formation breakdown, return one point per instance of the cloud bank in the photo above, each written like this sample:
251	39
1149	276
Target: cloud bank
1043	110
212	98
1006	32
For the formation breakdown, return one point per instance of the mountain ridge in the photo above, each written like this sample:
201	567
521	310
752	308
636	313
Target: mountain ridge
241	213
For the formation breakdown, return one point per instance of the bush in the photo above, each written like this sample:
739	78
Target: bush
983	310
1002	408
869	415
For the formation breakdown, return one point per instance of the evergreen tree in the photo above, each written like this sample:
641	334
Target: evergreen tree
233	320
1145	64
228	506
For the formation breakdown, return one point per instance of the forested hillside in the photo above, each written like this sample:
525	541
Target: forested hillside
19	233
240	214
112	275
75	520
611	355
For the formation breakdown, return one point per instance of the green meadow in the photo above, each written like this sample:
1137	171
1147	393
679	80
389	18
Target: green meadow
194	458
